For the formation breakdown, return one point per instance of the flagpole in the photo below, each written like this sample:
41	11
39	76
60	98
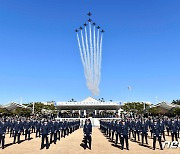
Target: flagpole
33	107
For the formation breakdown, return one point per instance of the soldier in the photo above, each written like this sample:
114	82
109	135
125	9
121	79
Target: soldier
53	132
131	127
151	127
87	133
17	131
156	134
67	128
110	128
178	124
118	131
2	133
12	124
63	129
113	129
34	123
162	128
174	129
167	125
137	130
38	126
124	135
7	125
27	127
22	127
45	133
59	128
144	131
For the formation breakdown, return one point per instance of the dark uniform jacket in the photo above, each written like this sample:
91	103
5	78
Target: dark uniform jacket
87	129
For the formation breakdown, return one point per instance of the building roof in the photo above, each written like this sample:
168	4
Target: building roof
14	105
89	102
166	105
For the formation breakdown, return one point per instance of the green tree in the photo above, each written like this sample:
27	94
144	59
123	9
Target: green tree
153	110
21	111
176	102
135	107
175	111
38	106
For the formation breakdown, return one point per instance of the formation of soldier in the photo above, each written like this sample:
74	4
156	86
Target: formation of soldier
125	129
49	130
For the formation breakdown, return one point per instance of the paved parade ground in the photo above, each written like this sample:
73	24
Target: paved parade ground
72	144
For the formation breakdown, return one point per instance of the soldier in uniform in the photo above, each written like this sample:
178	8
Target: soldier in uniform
144	131
63	129
151	127
167	124
22	126
137	130
27	127
34	123
174	130
87	133
38	127
131	128
178	124
156	135
118	132
59	128
53	132
17	131
2	133
124	135
162	128
45	133
110	128
113	130
12	124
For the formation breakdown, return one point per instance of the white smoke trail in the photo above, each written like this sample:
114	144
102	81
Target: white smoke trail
82	58
93	85
98	54
95	55
88	57
85	58
91	52
90	48
100	58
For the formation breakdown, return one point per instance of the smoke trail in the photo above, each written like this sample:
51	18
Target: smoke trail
89	60
87	48
98	54
82	59
90	48
91	52
95	55
100	58
85	58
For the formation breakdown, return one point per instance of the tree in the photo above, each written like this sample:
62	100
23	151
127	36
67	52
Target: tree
136	107
176	102
5	112
22	111
175	111
38	106
153	110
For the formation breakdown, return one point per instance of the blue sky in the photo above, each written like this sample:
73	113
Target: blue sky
40	61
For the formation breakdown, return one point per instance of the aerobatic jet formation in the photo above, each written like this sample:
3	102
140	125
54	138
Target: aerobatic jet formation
90	46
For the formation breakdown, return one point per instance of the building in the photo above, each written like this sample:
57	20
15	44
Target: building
13	106
165	107
90	107
48	103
